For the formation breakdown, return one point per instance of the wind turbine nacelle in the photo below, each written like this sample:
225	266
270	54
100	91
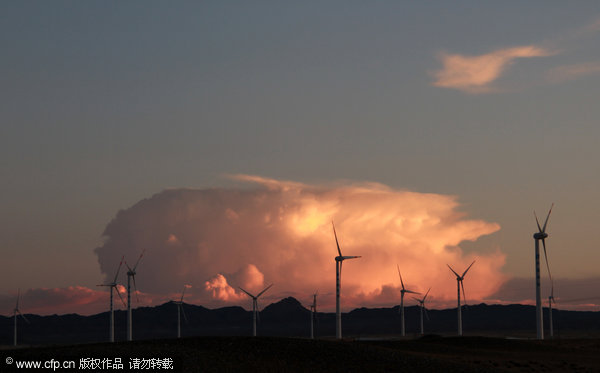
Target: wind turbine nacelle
540	235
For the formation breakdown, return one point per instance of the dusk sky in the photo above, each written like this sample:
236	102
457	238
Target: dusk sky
230	134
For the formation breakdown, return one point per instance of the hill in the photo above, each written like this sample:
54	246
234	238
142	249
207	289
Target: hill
288	318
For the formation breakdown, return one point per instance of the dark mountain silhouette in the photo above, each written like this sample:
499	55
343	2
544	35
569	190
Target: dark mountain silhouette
288	317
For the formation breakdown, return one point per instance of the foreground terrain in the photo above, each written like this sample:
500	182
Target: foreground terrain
266	354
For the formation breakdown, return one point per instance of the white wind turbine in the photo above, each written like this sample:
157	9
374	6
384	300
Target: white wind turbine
422	307
338	279
402	291
255	307
459	284
313	313
131	275
540	235
17	311
179	304
112	314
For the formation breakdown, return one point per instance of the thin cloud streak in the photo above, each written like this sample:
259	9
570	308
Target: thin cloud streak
569	72
475	74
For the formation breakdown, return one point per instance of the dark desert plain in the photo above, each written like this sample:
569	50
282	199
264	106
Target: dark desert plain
431	353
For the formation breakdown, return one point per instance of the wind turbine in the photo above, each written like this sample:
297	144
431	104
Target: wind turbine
112	314
459	284
540	235
17	311
131	275
180	311
255	307
313	313
338	279
402	291
422	307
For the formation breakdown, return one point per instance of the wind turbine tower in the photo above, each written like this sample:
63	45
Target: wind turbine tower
112	314
459	285
255	307
540	235
422	307
18	312
338	279
131	276
179	304
313	313
402	291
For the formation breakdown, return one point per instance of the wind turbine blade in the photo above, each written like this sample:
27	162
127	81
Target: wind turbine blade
250	295
547	217
138	261
267	288
417	299
411	292
425	297
546	257
341	263
462	285
426	313
119	294
453	271
135	289
400	275
128	267
467	270
118	269
182	293
537	221
336	239
183	312
23	316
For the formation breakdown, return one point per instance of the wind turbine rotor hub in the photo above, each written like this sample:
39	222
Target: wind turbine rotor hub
339	258
540	235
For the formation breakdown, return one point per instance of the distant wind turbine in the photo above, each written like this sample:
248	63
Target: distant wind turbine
338	279
131	275
313	313
180	311
17	311
402	291
255	307
459	284
540	235
422	307
112	314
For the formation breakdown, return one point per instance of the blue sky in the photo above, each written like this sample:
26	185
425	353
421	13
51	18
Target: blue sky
107	103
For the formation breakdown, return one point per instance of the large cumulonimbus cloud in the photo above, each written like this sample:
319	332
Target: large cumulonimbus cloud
280	232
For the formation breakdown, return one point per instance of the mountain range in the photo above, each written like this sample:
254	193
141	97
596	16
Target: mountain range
288	318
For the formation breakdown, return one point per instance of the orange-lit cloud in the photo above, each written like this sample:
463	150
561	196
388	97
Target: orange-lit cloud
280	232
474	74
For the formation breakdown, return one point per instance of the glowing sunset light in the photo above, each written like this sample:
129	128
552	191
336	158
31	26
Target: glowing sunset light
281	230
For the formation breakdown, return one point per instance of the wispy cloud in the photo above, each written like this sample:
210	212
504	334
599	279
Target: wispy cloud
475	74
569	72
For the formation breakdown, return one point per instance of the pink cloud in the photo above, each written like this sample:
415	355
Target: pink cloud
474	74
280	232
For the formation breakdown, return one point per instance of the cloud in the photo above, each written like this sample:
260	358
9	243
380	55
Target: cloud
280	232
474	74
72	299
577	294
574	71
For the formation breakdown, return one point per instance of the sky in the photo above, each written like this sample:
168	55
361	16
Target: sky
224	137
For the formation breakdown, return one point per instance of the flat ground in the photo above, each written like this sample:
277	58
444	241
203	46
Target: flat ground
269	354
